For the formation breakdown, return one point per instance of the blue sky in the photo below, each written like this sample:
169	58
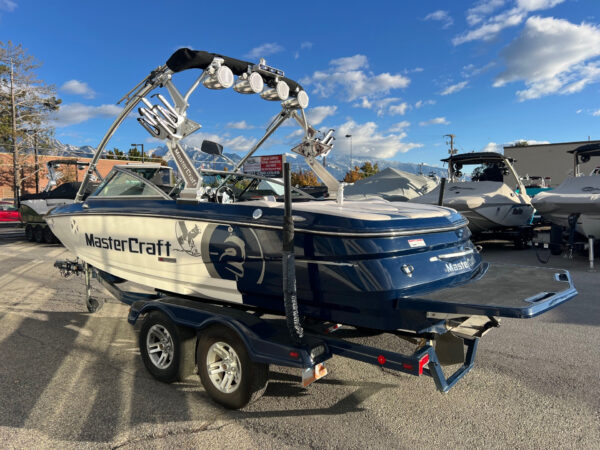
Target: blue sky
396	75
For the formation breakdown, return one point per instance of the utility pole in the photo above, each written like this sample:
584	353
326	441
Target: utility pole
140	145
451	136
351	159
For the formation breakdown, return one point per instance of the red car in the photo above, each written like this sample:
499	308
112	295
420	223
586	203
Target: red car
8	213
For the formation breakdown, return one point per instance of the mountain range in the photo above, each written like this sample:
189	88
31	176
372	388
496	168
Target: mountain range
338	165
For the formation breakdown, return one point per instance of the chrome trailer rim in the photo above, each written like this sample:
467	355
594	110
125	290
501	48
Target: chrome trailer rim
223	367
159	345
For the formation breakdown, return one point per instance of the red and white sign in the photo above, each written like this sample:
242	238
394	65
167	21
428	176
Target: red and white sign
267	166
416	243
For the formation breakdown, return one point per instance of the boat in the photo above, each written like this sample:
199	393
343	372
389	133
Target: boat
576	201
217	235
486	199
535	184
33	207
391	184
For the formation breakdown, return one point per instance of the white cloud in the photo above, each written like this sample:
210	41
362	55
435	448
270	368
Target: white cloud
441	16
349	75
508	18
317	114
499	148
528	141
349	63
595	113
241	125
8	5
552	56
435	121
368	141
483	8
492	28
454	88
399	127
579	111
471	70
77	87
535	5
492	147
306	45
383	106
399	110
74	113
264	50
421	103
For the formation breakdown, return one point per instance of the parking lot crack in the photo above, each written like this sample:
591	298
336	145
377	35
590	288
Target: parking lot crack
170	433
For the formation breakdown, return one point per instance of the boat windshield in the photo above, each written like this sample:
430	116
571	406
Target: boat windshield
124	184
247	187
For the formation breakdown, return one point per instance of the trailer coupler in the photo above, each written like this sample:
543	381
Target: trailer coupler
68	268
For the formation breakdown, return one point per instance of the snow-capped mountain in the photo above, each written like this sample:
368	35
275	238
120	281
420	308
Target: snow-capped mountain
338	165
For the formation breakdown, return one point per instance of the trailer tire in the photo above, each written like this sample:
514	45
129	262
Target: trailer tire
556	232
38	234
160	347
247	381
29	232
48	236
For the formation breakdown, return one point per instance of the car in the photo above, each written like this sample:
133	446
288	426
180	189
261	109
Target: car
9	213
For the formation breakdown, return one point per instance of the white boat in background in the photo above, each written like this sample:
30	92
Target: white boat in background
391	184
486	200
578	197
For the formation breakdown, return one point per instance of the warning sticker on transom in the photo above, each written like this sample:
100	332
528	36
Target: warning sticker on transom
416	243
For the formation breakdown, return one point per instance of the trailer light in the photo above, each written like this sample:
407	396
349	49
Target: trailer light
300	101
218	78
422	362
249	84
381	360
407	366
280	92
294	355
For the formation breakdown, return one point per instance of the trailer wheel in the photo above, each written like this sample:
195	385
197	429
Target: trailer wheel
29	232
38	234
228	374
48	236
556	232
160	347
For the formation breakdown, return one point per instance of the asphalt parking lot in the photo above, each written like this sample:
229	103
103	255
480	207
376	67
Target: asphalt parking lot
71	379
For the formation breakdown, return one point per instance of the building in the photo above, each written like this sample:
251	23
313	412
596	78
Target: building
28	173
549	160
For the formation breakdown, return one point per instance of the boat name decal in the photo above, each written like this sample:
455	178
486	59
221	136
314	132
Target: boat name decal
459	266
131	245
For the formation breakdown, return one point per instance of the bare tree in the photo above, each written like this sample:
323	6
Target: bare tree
25	105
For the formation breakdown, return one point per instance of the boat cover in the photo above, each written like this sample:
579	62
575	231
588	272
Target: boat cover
574	195
65	190
392	185
472	195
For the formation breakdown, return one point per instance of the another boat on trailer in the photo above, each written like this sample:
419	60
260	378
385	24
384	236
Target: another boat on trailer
486	199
